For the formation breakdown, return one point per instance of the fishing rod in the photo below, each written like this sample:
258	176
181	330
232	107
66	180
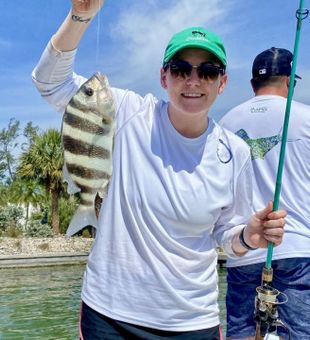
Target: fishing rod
267	298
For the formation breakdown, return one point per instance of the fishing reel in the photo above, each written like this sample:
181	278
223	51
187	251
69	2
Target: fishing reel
266	307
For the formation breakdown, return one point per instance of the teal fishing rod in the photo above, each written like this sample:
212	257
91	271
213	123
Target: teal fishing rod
301	14
266	301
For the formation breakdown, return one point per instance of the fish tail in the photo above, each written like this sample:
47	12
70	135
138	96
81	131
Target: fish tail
84	216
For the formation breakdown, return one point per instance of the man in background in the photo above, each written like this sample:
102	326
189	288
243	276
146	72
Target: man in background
259	121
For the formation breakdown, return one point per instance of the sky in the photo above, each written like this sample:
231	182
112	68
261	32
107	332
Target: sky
127	39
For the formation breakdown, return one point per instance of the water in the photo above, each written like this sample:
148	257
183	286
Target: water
222	288
43	302
40	303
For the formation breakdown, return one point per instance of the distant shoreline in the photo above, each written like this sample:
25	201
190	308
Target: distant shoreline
33	251
28	246
49	251
14	261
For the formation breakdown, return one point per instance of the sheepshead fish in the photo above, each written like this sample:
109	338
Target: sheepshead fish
87	136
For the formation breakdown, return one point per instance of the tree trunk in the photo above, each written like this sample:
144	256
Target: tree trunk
54	211
27	215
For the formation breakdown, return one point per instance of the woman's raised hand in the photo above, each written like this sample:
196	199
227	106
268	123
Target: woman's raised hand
86	8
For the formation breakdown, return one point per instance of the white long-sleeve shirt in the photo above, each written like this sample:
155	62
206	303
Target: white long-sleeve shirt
260	122
171	201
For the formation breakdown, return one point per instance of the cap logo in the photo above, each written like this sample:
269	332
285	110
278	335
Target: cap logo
262	71
196	35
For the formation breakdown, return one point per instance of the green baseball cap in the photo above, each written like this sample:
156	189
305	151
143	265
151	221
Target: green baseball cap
196	37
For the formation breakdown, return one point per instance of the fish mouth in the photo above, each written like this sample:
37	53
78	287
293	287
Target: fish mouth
99	76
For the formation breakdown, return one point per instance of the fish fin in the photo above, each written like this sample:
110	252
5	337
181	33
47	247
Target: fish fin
102	194
103	191
72	188
82	218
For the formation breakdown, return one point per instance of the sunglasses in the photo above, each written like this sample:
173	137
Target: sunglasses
183	69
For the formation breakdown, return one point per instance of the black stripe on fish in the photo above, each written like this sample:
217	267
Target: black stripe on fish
86	173
85	125
87	189
76	104
78	147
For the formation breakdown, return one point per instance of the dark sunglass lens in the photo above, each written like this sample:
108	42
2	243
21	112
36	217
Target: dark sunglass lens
208	71
180	68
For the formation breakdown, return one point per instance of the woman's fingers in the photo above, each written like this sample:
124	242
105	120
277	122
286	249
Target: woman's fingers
274	229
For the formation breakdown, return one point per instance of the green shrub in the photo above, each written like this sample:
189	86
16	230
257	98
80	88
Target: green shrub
3	218
36	216
86	233
12	231
37	229
67	207
11	217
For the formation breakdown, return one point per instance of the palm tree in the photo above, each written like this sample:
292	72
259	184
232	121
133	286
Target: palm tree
28	192
43	161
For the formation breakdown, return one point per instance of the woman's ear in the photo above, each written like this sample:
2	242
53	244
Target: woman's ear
223	82
163	78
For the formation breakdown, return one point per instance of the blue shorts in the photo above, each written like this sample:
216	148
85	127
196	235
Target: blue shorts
97	326
290	276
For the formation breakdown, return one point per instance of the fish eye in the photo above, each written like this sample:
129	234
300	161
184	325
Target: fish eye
89	91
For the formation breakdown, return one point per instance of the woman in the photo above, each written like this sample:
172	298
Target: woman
181	186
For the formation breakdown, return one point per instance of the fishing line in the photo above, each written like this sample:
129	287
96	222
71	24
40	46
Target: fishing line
98	34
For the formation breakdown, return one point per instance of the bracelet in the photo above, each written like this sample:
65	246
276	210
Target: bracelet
80	19
242	241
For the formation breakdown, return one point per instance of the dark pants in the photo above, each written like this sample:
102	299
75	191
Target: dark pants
95	326
291	277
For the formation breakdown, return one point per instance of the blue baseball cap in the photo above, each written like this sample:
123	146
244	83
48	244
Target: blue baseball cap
273	62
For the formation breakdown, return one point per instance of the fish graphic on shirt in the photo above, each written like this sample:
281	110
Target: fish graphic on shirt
259	146
87	136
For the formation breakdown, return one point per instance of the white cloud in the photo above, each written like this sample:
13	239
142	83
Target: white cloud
144	29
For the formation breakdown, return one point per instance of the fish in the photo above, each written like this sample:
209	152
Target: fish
88	129
259	146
